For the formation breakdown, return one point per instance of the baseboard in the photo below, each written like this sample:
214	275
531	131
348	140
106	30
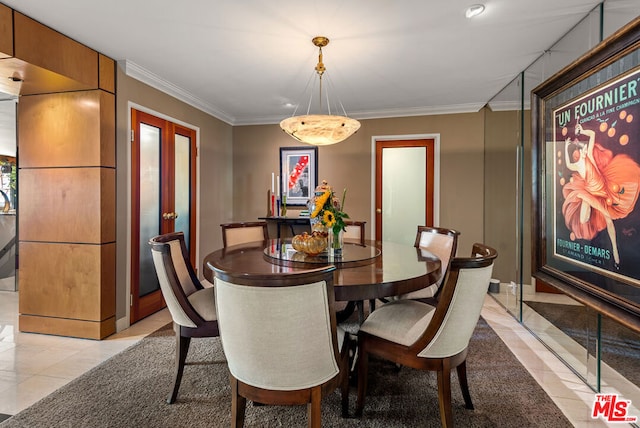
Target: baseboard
122	324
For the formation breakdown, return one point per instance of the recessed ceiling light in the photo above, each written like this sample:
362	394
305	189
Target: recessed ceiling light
474	10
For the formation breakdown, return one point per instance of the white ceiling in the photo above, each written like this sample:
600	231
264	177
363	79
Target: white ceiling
244	61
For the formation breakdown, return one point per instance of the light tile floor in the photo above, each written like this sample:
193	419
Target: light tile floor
33	365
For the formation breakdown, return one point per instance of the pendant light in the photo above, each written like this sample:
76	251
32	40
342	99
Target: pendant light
320	129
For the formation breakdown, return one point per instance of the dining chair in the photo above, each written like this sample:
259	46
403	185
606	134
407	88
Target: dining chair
281	341
414	334
192	306
354	231
441	243
243	232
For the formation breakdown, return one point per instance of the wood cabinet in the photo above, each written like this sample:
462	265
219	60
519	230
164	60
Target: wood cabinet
67	224
6	32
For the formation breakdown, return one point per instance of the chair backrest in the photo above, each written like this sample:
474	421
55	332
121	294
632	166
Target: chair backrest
177	278
459	306
242	232
278	331
441	242
354	231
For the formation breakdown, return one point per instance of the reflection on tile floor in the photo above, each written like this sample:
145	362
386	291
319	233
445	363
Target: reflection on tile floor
26	377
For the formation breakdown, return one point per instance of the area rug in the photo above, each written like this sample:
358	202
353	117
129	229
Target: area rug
620	345
129	390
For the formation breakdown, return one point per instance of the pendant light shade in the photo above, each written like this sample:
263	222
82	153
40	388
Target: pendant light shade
320	129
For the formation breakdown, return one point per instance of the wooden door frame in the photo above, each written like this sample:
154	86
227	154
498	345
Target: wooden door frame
436	173
192	134
124	322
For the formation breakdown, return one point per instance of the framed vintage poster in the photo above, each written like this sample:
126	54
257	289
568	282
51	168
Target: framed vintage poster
586	141
299	173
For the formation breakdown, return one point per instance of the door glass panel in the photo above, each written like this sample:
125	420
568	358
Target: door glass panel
182	184
149	204
403	192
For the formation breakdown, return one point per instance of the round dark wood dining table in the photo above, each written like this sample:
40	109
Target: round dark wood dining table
364	272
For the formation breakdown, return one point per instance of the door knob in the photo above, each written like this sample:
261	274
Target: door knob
378	210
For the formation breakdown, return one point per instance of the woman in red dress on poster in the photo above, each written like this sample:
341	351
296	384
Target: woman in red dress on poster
602	188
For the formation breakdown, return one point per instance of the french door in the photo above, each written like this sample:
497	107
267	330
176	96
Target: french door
163	178
404	188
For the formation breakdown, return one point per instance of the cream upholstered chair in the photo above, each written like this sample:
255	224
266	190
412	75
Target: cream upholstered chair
242	232
192	306
354	231
280	339
418	335
442	243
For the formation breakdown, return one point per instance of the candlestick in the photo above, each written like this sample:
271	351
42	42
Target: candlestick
269	212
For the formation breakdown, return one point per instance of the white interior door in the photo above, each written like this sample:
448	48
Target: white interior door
404	188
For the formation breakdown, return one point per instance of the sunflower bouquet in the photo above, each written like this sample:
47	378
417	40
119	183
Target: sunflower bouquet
330	211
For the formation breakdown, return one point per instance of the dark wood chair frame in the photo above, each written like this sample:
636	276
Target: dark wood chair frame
183	334
235	225
408	355
241	392
443	231
361	225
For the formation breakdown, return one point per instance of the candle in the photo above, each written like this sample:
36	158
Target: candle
278	188
272	178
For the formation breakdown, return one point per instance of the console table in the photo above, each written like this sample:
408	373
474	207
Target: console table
290	222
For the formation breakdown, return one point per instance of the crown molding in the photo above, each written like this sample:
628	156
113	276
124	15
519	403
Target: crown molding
420	111
382	114
137	72
508	105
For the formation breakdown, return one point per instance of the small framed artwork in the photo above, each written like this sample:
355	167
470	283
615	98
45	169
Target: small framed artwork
299	173
586	141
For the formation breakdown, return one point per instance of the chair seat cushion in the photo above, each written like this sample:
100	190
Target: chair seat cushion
399	321
423	293
204	302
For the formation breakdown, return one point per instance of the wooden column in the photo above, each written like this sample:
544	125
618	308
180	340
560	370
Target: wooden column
66	185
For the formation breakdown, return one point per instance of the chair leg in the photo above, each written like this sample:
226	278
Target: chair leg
363	368
314	412
360	307
464	386
444	394
344	314
238	404
344	372
182	347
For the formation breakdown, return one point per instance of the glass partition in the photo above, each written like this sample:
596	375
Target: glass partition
503	171
603	352
8	193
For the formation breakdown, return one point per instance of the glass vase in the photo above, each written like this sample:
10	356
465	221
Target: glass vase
335	244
